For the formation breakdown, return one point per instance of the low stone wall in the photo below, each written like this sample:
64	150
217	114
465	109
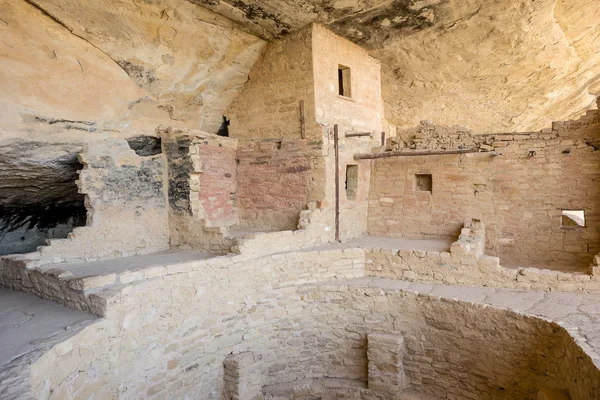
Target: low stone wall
315	228
170	337
464	270
466	264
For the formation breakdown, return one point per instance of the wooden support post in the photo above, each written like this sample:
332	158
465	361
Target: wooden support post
302	121
337	182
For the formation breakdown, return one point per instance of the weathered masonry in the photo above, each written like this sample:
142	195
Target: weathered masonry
235	200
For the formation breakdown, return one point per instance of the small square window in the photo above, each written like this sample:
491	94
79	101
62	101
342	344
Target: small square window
572	219
351	182
424	182
344	81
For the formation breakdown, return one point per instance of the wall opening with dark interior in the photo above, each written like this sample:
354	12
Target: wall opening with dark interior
344	81
145	146
351	182
424	182
38	194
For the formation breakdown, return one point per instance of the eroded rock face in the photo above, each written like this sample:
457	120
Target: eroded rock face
492	66
119	64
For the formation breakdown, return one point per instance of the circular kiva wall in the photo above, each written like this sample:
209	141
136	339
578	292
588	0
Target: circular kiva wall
197	335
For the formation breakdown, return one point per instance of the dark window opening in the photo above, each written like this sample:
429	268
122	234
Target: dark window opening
424	182
344	81
351	182
572	219
145	146
224	128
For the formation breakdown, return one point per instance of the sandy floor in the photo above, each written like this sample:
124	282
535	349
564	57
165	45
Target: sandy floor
28	322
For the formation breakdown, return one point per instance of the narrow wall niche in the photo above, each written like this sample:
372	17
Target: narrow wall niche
344	81
424	182
351	182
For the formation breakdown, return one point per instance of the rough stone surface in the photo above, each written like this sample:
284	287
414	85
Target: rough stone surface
120	65
38	194
491	67
519	193
318	312
307	332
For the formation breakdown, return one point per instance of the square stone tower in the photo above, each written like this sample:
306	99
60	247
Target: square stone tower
299	89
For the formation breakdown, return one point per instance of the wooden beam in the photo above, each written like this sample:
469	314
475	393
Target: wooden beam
358	134
337	182
302	121
404	153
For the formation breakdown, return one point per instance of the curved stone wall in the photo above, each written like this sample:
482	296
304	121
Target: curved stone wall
168	337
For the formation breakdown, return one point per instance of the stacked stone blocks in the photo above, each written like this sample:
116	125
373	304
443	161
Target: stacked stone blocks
386	371
243	377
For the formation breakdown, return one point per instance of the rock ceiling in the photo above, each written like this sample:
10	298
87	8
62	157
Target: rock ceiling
490	65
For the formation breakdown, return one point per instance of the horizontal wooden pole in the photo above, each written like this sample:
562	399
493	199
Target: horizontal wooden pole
359	134
404	153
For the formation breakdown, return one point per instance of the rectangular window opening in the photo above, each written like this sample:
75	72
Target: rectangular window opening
424	182
572	219
351	182
344	81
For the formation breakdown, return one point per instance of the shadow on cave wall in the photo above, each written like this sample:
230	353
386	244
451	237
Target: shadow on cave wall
38	194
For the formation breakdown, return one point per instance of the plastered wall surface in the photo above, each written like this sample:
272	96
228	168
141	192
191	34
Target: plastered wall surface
276	180
519	194
201	186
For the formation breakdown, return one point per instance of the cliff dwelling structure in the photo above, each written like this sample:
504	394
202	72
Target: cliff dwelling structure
300	200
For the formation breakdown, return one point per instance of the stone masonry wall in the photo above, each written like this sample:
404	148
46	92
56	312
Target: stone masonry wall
125	201
269	104
519	194
362	112
201	188
170	336
184	322
304	67
276	181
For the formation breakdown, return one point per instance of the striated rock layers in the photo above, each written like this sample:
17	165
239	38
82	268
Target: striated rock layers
122	64
118	65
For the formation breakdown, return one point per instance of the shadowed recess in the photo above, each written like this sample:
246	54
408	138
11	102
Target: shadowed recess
38	194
